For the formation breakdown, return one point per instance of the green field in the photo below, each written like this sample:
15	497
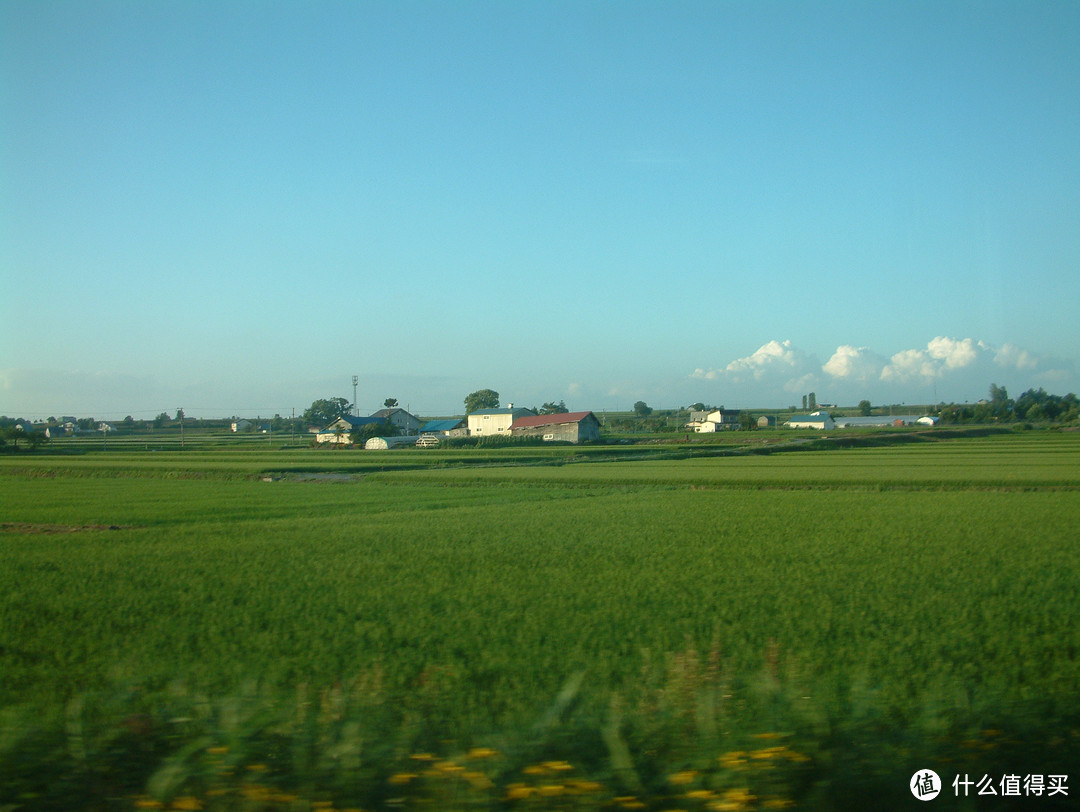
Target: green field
668	627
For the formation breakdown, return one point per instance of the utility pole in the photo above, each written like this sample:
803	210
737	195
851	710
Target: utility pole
180	414
355	381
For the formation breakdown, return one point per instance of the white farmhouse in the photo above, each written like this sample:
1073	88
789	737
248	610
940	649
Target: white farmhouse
485	422
719	420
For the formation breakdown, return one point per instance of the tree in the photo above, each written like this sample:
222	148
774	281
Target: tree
697	407
179	415
642	409
865	408
1000	404
325	411
481	399
383	428
161	420
390	403
551	407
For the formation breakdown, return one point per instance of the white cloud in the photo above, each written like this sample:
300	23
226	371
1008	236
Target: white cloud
946	367
775	357
774	367
954	354
910	365
854	363
1010	356
942	354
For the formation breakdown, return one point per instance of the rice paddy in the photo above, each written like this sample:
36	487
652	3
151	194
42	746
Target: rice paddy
608	628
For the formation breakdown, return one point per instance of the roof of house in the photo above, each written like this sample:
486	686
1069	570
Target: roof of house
442	425
355	422
809	418
550	419
385	413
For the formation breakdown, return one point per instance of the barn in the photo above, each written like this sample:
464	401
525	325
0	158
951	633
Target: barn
569	427
453	427
485	422
816	420
400	419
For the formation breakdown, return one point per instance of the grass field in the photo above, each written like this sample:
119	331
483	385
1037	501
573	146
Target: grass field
608	627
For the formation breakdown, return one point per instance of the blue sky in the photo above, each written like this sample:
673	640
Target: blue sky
233	208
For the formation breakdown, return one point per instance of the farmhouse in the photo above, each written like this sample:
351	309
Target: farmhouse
484	422
719	420
241	425
340	429
816	420
569	427
399	418
454	427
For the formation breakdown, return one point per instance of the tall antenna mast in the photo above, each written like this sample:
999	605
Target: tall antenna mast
355	381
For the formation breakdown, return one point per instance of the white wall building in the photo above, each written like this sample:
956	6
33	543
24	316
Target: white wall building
485	422
816	420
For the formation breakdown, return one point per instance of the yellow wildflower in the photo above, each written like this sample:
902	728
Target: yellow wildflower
258	768
402	778
579	785
187	804
549	790
684	777
700	794
482	752
558	766
767	753
515	792
217	751
733	760
147	803
477	780
422	757
779	803
740	794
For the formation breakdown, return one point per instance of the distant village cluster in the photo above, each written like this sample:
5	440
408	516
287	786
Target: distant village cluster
565	427
332	424
509	421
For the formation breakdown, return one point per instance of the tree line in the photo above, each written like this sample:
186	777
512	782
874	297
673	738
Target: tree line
1033	406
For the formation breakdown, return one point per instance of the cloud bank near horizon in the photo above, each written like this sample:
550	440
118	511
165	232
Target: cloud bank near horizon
946	368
